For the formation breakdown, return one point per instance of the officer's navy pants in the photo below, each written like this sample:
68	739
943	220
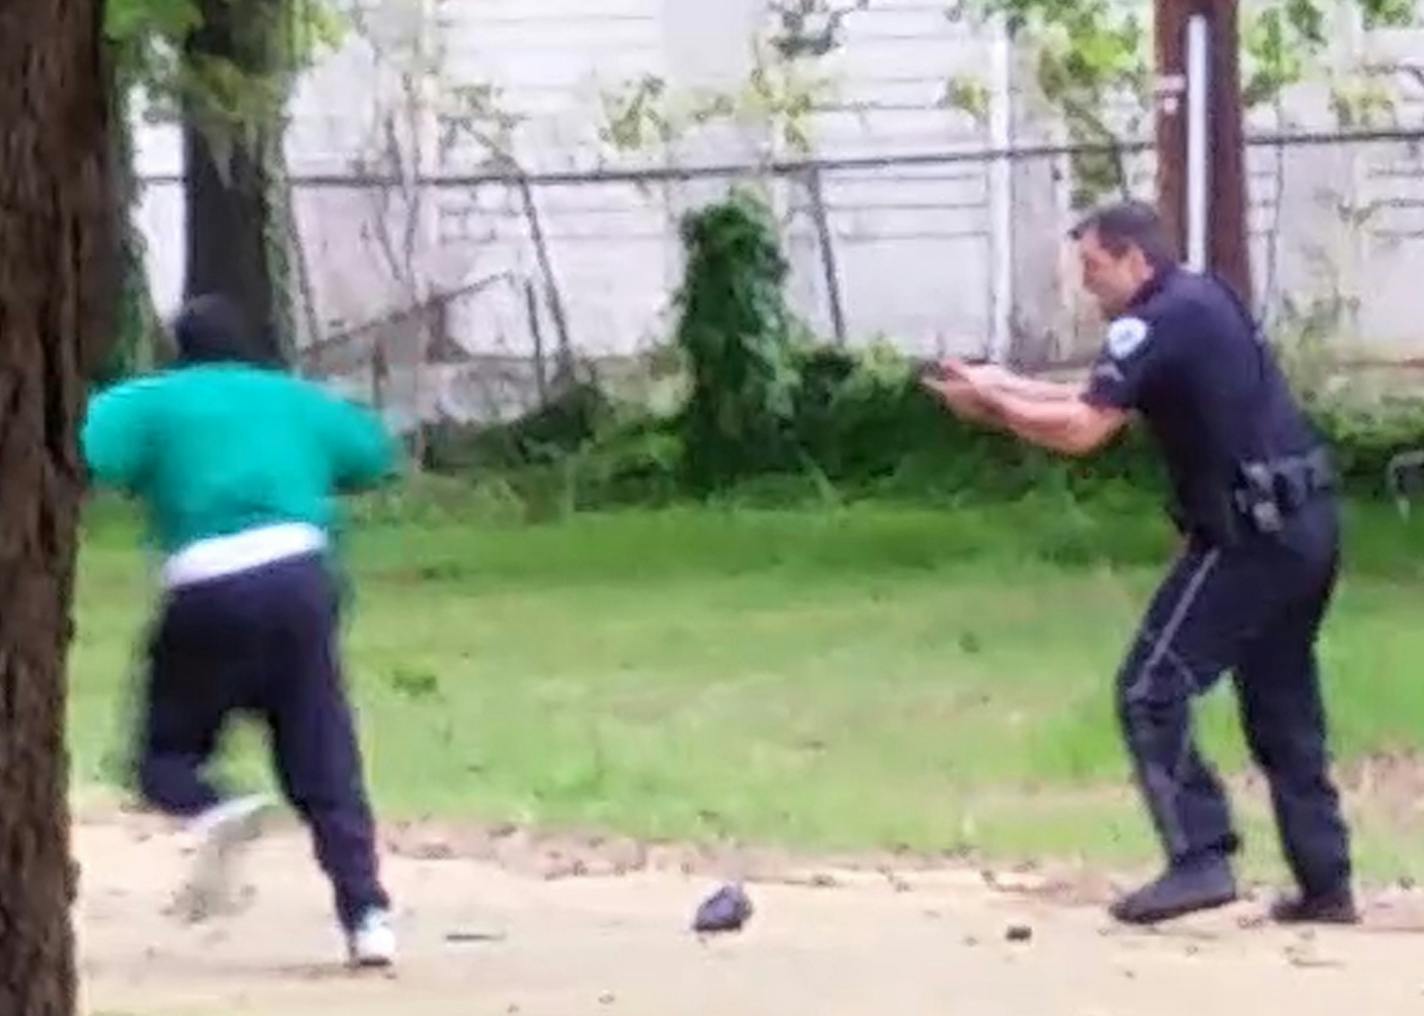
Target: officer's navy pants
265	642
1253	609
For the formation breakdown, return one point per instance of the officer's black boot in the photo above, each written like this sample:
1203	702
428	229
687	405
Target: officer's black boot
1187	886
1336	907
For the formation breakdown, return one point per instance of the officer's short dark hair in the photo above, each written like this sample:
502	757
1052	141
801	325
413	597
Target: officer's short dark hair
212	329
1128	224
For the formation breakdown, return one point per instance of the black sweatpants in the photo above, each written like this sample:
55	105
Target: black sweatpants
1254	609
263	642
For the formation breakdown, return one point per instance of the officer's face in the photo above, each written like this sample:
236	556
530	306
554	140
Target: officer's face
1113	279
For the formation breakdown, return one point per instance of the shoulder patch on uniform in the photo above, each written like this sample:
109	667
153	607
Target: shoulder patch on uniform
1126	335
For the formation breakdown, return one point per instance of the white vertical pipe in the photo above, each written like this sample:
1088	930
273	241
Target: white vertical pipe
1198	142
1001	191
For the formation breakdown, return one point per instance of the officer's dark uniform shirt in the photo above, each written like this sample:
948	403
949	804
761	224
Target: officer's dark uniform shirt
1186	356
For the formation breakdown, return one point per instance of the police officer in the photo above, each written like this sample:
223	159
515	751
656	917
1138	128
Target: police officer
1251	485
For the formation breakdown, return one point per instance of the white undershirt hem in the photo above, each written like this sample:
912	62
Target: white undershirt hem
224	556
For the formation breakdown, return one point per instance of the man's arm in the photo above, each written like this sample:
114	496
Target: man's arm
1069	426
1033	389
115	440
993	377
962	397
363	453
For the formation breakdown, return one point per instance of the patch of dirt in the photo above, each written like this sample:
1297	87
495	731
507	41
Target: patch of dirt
1393	780
504	921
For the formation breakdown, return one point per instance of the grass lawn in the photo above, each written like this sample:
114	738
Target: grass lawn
839	678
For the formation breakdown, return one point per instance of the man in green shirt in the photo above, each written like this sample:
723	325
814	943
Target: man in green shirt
236	462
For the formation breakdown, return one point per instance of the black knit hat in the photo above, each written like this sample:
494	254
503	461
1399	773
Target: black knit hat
212	329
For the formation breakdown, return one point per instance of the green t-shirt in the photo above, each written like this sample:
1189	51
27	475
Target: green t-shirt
219	449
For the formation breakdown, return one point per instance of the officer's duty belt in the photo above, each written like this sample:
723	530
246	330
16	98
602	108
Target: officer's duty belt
1272	489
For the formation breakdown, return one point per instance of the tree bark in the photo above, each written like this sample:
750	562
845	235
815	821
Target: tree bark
227	230
57	254
229	217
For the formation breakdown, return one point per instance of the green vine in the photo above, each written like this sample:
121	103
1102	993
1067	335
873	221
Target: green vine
283	241
738	338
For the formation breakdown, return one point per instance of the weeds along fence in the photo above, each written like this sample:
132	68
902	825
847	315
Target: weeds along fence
469	297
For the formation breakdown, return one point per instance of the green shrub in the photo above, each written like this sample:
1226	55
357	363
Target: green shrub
771	417
737	337
1365	437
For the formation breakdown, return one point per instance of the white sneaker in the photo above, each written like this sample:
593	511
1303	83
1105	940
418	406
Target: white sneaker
223	832
373	941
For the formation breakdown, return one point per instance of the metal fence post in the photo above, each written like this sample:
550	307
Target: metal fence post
541	377
828	253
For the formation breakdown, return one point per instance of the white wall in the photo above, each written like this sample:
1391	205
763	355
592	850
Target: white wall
916	246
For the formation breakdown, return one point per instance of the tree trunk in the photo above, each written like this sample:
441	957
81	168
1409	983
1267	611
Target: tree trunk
229	218
57	253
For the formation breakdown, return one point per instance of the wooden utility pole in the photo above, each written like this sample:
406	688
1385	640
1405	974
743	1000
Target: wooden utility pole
1230	235
1170	28
1228	248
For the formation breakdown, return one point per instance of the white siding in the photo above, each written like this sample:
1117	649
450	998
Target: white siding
915	246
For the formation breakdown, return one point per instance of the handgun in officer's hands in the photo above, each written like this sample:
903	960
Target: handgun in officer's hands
944	367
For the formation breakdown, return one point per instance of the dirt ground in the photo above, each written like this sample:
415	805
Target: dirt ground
497	923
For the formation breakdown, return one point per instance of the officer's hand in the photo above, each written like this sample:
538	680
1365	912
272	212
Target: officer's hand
953	368
988	375
962	397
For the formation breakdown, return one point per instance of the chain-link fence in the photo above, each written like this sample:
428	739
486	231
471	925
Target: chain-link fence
469	297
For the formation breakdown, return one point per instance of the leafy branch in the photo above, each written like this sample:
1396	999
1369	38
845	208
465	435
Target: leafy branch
1094	61
809	28
274	41
780	94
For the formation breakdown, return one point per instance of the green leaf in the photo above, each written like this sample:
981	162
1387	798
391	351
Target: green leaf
127	21
968	94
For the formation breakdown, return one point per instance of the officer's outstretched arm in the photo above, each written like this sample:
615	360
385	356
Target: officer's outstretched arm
1037	391
989	375
992	376
1069	426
